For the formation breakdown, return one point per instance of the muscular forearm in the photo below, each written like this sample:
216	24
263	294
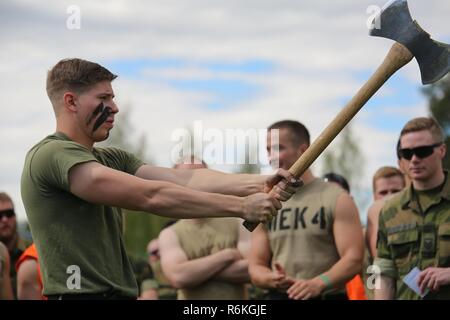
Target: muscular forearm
233	184
236	272
260	276
206	180
194	272
179	202
386	290
344	270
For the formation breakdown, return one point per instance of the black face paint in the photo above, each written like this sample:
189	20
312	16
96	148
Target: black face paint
104	114
95	113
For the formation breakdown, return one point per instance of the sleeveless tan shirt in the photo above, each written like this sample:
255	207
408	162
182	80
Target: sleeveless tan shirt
203	239
301	236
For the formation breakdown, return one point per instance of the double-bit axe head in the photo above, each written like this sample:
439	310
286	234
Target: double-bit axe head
395	22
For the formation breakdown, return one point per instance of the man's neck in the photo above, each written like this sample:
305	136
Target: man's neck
429	184
75	136
11	244
307	177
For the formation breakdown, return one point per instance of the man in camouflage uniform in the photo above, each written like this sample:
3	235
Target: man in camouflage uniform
414	226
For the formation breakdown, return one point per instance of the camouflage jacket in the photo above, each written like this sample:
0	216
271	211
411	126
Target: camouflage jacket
414	235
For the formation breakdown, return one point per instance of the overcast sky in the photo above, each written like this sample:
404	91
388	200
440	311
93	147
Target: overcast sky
230	64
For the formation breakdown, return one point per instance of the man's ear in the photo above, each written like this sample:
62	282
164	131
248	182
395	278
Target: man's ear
69	101
443	149
303	147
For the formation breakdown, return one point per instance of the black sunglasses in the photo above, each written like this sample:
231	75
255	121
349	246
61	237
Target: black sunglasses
421	152
7	213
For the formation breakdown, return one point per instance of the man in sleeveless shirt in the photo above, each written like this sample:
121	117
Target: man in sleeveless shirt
316	243
73	192
29	278
158	287
386	182
209	265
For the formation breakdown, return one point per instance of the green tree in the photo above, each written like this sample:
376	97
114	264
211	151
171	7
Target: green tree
345	157
139	227
438	95
250	156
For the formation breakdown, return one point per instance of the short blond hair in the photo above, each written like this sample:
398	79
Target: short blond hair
387	172
424	123
4	197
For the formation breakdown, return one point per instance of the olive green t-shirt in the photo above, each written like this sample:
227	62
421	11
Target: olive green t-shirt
79	244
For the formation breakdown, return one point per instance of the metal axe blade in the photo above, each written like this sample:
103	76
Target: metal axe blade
395	22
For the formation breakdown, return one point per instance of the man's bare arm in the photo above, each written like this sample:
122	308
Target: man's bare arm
238	271
184	273
260	270
282	183
386	290
349	241
99	184
28	287
206	180
372	226
260	256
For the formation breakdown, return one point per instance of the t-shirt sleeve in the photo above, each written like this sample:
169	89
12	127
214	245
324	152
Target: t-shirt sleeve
124	161
382	246
52	162
384	260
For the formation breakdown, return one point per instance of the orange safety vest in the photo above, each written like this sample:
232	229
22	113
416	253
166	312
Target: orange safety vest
31	253
355	289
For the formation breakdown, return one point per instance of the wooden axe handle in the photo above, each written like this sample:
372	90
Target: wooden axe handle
397	57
